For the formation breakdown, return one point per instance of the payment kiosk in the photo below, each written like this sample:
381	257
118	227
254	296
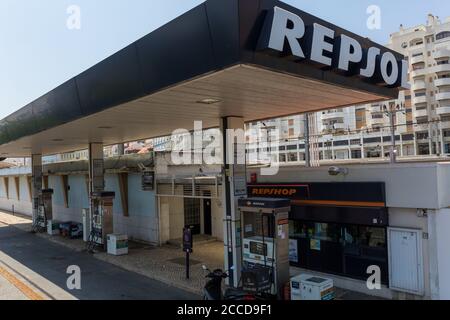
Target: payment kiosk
265	225
101	218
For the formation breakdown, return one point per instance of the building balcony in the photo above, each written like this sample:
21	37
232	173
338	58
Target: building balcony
339	126
417	59
443	110
442	82
421	113
442	68
418	85
440	54
421	127
445	124
377	120
442	96
333	115
419	100
419	73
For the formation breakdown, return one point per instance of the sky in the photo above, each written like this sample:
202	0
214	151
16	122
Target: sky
38	51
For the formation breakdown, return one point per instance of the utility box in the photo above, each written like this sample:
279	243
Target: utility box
53	227
117	244
308	287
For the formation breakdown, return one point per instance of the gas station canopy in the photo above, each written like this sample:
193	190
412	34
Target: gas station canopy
255	59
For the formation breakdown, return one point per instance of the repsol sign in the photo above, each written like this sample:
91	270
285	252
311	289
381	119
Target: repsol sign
279	191
288	34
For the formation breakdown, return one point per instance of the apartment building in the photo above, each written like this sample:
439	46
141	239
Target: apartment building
427	47
419	118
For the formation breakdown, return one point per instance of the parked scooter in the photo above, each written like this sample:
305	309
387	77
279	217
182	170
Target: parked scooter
213	288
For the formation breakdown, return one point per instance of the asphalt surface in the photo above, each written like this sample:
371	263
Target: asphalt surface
99	280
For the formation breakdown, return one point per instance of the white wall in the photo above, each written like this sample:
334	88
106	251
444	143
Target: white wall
141	224
443	252
408	185
13	204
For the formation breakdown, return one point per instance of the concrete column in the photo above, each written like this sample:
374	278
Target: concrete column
430	139
307	142
363	156
121	149
234	187
415	144
36	184
96	168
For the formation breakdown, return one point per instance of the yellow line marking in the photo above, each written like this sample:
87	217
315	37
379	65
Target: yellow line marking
26	290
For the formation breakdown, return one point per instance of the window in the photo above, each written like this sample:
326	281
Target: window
293	157
422	135
424	149
291	132
443	35
356	154
292	147
365	236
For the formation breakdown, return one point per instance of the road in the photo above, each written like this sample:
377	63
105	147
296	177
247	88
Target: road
35	268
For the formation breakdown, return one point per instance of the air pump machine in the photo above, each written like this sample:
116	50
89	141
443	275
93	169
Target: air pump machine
45	209
101	218
265	245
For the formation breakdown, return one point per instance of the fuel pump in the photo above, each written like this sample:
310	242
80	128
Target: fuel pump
101	218
45	210
265	224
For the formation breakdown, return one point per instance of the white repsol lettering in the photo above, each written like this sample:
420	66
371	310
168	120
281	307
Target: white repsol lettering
286	32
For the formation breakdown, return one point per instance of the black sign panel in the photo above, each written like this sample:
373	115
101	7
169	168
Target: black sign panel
325	191
188	242
290	191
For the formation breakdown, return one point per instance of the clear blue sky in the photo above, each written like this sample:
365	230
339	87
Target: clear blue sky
38	52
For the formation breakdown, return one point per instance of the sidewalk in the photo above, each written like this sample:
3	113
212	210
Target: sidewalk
165	264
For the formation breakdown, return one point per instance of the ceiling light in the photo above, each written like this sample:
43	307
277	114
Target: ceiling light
209	101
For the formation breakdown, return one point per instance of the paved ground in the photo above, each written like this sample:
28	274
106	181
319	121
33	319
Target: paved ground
163	264
35	267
